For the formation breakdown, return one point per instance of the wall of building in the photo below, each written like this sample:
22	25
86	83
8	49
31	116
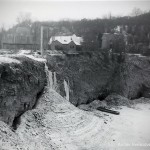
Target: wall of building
72	46
106	40
19	38
20	46
20	35
55	45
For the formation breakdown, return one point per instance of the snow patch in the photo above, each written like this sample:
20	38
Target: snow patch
35	58
8	60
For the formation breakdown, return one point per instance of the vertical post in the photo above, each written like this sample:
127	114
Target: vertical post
42	40
2	45
2	40
66	86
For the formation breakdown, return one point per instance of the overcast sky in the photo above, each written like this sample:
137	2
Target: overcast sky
56	10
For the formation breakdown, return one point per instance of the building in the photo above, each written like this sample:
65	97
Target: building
115	42
107	40
18	38
66	43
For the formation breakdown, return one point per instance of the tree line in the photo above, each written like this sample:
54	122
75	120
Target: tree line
138	29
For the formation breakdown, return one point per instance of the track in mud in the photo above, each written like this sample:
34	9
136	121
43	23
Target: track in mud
65	127
59	125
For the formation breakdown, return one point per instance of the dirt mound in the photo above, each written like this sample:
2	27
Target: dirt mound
57	124
93	105
114	100
111	101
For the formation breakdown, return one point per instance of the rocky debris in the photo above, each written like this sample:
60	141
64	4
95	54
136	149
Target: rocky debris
142	100
114	100
84	107
21	81
97	103
111	101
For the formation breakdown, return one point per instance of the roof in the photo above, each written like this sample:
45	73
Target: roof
67	39
107	36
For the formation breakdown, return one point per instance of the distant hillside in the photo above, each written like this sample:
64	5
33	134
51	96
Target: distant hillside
91	30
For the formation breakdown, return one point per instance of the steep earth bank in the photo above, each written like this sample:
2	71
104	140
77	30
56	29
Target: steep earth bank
131	78
21	81
96	75
57	124
87	74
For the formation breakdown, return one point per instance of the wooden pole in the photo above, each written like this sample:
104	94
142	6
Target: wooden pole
42	40
2	40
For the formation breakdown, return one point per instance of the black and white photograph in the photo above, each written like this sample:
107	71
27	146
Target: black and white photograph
74	75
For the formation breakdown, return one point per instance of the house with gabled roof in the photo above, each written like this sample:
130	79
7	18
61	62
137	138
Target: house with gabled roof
66	43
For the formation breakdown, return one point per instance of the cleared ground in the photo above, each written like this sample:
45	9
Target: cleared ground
57	124
129	130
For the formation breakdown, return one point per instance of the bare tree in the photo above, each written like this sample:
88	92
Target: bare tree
2	32
136	12
24	18
107	16
2	28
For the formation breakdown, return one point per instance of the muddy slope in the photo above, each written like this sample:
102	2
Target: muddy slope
59	125
131	79
86	74
96	75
